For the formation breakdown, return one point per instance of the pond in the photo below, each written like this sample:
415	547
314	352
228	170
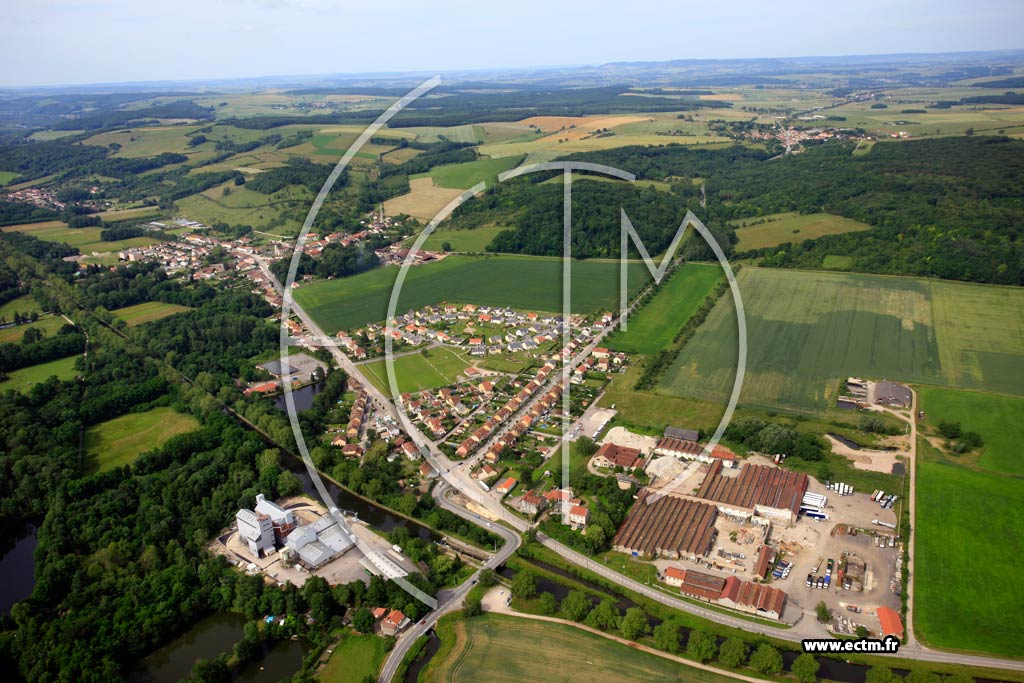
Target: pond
18	569
303	398
206	640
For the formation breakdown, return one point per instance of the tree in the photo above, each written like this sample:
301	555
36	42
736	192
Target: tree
604	617
548	604
575	605
862	631
446	246
949	429
472	605
921	676
701	646
766	659
734	652
823	612
488	578
524	584
666	637
805	668
958	677
881	674
362	620
634	623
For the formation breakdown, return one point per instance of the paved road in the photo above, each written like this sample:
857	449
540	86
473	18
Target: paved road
448	601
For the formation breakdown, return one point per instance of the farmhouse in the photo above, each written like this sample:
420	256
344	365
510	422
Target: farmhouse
669	527
757	490
611	455
394	622
579	515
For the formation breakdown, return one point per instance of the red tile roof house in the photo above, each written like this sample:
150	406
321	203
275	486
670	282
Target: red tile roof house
507	485
579	515
393	623
695	584
611	455
755	598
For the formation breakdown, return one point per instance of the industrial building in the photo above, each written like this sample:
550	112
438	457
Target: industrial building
756	598
695	584
311	545
758	490
611	455
256	531
314	545
671	527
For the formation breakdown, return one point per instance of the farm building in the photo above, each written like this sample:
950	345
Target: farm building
611	455
682	434
756	598
892	394
669	527
765	559
684	449
695	584
757	490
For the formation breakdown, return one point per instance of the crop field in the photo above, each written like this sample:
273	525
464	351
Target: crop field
118	442
47	324
464	133
968	549
147	312
355	659
655	325
780	228
466	175
424	199
491	648
24	379
147	141
427	369
523	282
807	330
86	239
998	419
475	240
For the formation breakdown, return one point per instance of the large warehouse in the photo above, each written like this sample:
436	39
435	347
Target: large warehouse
757	490
670	527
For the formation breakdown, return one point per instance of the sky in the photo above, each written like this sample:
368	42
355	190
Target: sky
53	42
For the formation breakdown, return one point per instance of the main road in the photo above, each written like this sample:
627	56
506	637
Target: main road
457	479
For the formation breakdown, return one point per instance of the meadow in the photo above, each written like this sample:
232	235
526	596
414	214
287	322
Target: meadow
998	419
968	547
423	200
523	282
147	312
47	324
7	176
118	442
465	175
86	239
780	228
494	648
808	330
24	379
355	659
654	326
22	304
427	369
475	240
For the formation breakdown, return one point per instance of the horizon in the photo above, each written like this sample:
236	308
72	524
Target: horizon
261	39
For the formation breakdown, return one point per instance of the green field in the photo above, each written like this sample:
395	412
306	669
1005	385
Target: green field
355	659
7	176
475	240
428	369
22	304
968	547
244	206
653	327
466	175
118	442
496	648
999	419
523	282
836	262
86	239
47	324
23	380
808	330
147	312
780	228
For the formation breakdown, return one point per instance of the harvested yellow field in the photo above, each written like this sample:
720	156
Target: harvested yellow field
590	123
424	199
723	97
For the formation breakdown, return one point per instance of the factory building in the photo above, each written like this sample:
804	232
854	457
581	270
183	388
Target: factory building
314	545
757	490
256	531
